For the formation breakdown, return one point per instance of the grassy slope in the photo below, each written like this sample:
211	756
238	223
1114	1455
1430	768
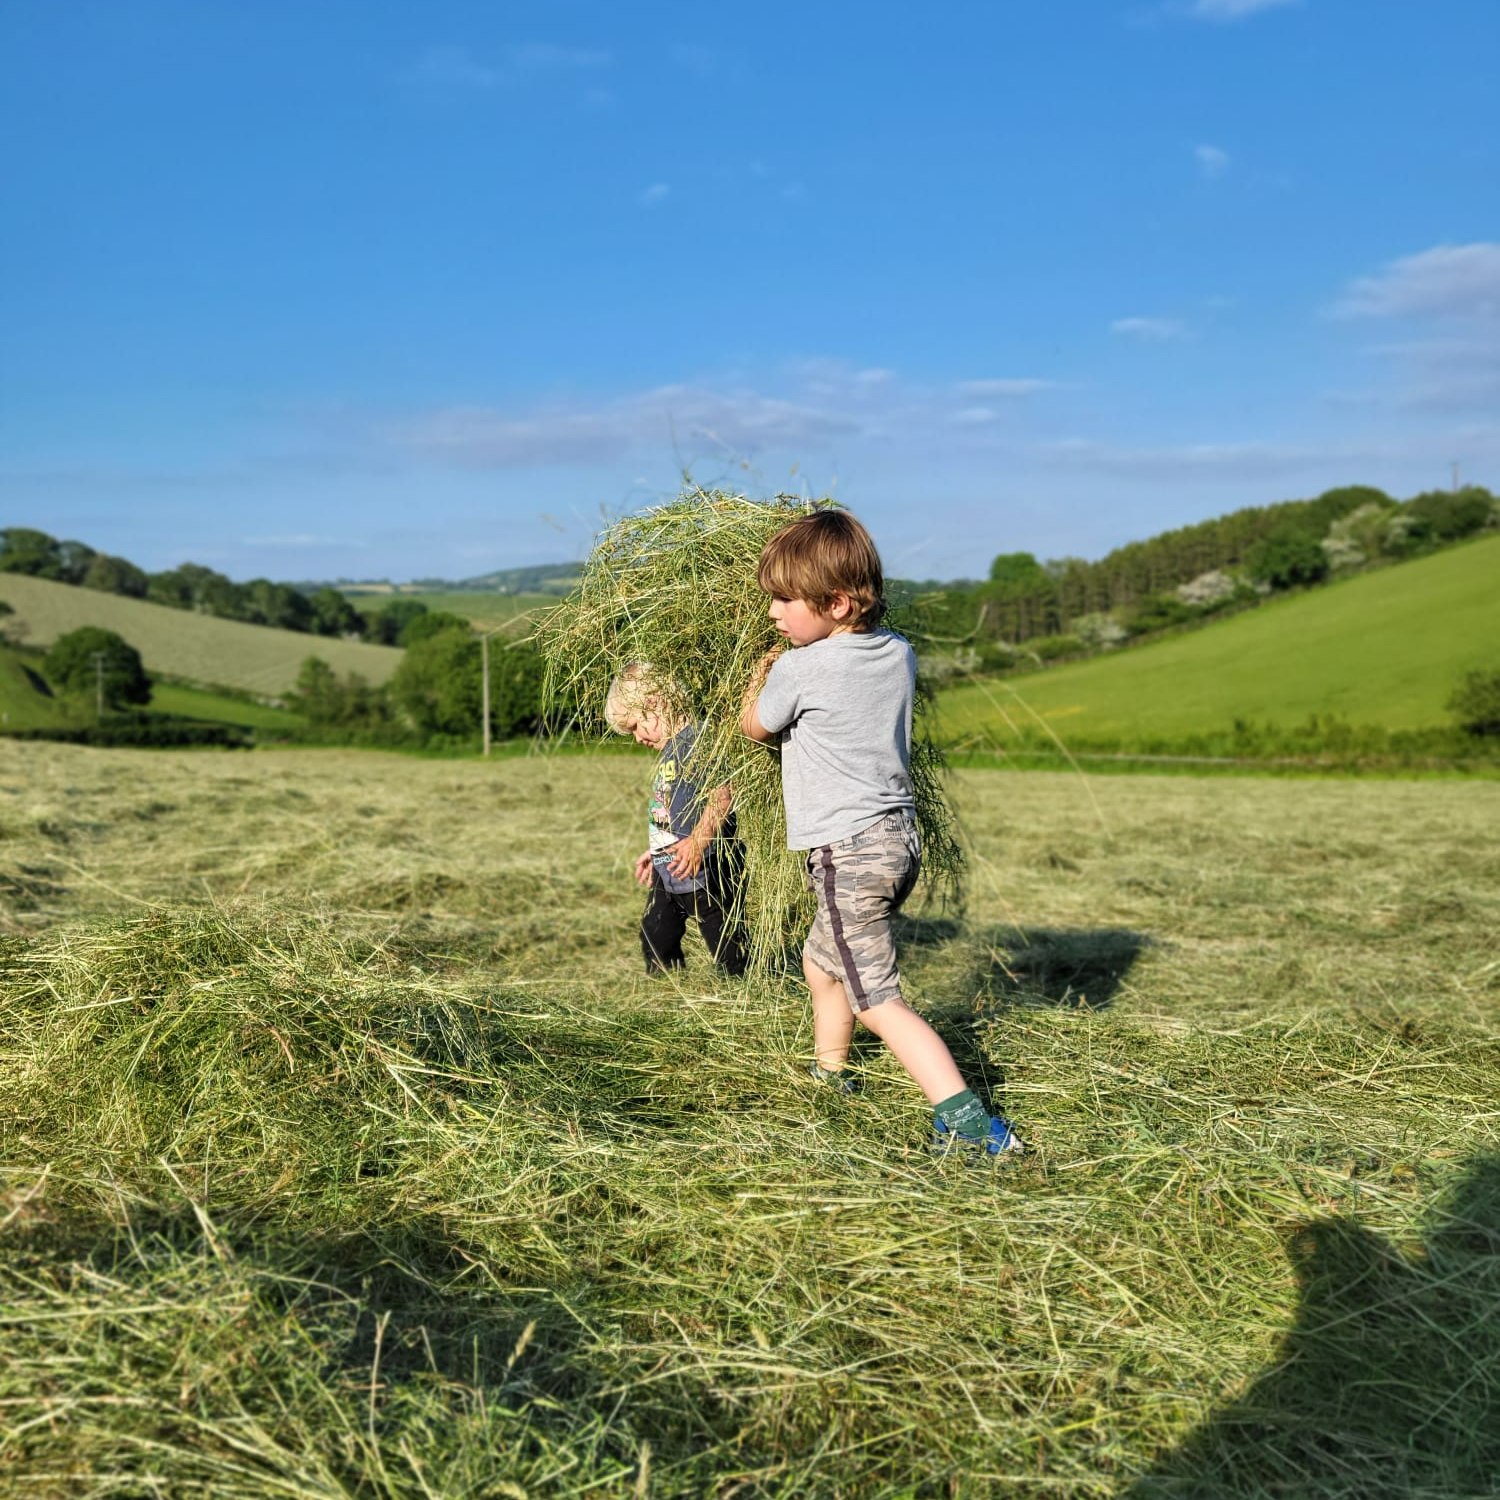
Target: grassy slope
344	1149
1383	648
21	704
252	658
23	707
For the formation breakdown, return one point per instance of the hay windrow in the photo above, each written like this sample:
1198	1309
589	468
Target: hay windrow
675	586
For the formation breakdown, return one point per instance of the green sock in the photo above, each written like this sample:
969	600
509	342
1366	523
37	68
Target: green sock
963	1114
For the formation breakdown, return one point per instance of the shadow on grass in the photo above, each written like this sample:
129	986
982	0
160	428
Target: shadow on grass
1388	1385
971	975
1072	968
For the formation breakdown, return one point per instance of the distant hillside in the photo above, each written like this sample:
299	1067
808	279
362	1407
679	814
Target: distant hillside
200	648
1383	648
553	580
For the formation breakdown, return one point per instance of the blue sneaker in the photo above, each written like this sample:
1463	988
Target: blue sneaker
998	1140
834	1078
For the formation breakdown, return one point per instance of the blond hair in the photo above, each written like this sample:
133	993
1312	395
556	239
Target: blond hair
821	555
639	689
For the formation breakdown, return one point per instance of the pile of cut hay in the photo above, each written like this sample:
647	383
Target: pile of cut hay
674	586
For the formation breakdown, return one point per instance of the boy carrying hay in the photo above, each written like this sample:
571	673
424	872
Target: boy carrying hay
693	866
840	702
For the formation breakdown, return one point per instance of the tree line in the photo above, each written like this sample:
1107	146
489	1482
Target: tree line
191	586
1068	606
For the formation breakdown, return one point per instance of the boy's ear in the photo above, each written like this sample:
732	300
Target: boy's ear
842	606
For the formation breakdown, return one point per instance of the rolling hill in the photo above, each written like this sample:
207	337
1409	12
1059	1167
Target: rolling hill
1383	648
199	648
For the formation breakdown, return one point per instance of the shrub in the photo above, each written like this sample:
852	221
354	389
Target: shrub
1287	558
1439	516
1158	612
92	659
1475	702
429	623
438	684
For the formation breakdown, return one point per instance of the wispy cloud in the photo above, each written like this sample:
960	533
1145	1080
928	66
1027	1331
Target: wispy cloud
1003	389
1448	281
737	422
1150	330
657	193
303	539
1231	460
458	67
1452	294
1212	162
1233	10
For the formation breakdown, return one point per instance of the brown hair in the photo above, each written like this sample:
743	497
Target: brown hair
823	554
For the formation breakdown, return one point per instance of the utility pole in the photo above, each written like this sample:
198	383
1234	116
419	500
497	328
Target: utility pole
484	711
98	686
1455	476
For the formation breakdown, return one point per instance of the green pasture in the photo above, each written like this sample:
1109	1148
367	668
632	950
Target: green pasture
181	644
196	703
24	705
1383	648
348	1151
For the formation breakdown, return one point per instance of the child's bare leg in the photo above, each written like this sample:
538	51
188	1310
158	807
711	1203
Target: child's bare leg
918	1048
833	1021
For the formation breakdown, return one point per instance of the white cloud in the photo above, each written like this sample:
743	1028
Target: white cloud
1212	162
1454	290
1448	281
303	539
1232	10
457	67
975	416
535	57
1003	388
740	422
1150	330
658	192
1234	460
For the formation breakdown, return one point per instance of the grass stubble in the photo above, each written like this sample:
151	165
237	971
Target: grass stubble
348	1154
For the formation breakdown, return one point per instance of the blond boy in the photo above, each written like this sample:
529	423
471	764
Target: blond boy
692	866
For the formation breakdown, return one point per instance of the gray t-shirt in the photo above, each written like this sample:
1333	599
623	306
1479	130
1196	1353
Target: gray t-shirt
845	703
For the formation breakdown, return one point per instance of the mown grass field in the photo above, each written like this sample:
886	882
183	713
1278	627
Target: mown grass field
199	648
347	1152
1383	648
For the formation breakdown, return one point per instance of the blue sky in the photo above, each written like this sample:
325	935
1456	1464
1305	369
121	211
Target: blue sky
383	289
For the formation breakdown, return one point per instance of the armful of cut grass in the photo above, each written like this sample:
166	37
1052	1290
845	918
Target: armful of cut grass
674	586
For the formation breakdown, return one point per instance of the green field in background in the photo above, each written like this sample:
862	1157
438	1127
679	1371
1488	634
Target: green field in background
1382	648
179	643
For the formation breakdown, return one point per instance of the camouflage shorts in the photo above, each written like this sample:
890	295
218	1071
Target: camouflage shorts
860	883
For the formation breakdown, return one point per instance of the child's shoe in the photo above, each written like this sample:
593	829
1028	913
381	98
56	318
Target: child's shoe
835	1078
998	1139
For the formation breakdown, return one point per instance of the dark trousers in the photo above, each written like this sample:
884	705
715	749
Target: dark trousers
666	920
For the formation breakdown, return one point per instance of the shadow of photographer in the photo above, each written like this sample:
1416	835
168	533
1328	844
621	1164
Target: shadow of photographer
1387	1386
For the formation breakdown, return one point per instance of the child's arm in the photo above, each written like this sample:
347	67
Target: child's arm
687	853
749	719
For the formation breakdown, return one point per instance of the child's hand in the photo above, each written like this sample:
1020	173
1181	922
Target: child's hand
643	869
687	857
761	670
